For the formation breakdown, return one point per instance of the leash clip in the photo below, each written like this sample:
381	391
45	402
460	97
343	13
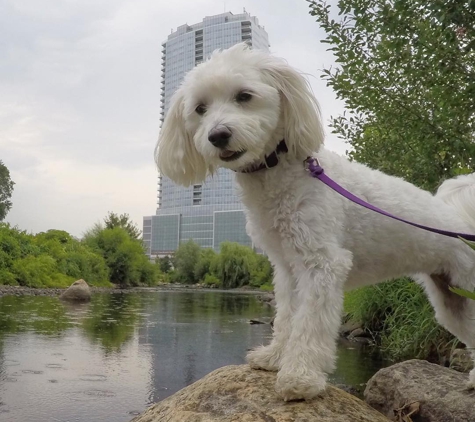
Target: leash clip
310	161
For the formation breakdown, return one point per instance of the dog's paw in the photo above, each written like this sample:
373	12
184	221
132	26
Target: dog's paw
295	387
264	357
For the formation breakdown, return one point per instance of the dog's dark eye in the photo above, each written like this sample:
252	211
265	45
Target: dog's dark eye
243	97
201	109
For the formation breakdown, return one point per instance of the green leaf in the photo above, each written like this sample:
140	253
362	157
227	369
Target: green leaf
462	292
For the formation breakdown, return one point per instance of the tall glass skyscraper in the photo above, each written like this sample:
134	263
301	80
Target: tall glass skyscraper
209	213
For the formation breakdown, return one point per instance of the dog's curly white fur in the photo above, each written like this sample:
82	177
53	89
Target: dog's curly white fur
318	242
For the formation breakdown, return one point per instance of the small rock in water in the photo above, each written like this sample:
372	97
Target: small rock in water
79	291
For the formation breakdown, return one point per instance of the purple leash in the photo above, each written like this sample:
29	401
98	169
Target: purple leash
314	168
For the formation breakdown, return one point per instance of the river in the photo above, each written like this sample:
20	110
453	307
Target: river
110	359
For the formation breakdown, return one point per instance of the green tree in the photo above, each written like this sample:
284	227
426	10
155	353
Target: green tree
125	257
261	272
6	190
202	267
165	264
406	73
123	220
186	257
234	264
73	258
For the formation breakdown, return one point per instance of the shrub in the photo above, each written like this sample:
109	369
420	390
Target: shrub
268	287
233	265
401	319
211	280
185	260
39	271
203	265
124	256
7	278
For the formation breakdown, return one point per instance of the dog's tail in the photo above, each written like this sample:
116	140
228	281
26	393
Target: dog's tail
459	192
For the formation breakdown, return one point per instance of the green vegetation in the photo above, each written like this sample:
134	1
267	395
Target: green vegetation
6	190
55	259
401	320
405	72
51	259
235	266
124	256
107	256
123	221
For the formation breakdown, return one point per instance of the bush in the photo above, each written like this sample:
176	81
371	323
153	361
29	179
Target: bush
401	319
185	260
124	256
203	265
211	280
165	264
262	272
39	271
268	287
7	278
233	265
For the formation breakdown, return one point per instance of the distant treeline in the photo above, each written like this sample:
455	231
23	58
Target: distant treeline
234	266
113	254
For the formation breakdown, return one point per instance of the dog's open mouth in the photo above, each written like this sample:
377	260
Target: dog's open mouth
228	155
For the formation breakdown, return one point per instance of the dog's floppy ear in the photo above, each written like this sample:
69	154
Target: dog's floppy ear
175	153
303	126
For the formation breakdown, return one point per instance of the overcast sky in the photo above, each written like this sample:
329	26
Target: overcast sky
79	98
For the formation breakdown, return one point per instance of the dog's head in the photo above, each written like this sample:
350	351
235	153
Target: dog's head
232	111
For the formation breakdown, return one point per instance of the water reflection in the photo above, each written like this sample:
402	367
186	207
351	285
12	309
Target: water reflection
111	358
112	319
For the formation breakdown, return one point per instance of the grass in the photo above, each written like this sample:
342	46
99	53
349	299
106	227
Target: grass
401	319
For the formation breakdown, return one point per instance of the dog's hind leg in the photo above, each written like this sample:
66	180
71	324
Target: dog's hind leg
269	357
454	312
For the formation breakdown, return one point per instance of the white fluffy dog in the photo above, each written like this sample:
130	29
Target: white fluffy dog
233	111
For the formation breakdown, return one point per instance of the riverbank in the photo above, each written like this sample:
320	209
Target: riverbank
30	291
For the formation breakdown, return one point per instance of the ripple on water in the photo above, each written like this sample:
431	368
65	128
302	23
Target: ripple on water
54	366
88	395
10	362
29	371
92	377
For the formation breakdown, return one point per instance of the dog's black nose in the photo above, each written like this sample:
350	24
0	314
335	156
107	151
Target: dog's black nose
219	136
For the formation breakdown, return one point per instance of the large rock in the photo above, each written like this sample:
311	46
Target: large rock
238	393
79	291
431	392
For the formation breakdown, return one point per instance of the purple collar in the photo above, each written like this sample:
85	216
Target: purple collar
270	160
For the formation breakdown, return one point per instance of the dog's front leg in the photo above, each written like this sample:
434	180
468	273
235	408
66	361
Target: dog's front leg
311	349
269	357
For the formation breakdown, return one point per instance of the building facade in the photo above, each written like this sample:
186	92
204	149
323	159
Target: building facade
209	213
